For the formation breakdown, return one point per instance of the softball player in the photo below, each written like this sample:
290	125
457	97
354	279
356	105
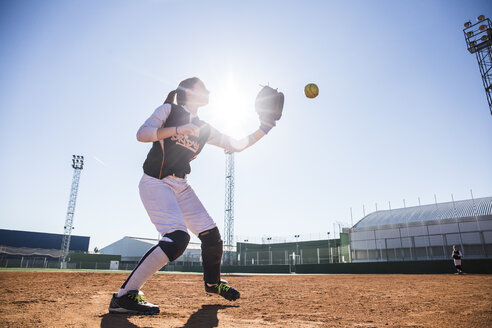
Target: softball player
457	255
178	136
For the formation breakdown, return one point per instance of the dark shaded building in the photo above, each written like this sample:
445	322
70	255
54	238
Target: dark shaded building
33	246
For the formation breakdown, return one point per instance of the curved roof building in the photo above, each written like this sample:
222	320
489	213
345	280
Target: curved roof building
432	212
424	232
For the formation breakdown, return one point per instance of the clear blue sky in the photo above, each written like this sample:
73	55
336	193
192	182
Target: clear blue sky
401	114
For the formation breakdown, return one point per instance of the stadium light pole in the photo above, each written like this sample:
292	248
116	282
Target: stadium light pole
297	247
329	257
478	39
245	251
229	208
78	165
339	248
269	239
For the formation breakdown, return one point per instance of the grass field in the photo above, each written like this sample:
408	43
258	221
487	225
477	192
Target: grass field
80	299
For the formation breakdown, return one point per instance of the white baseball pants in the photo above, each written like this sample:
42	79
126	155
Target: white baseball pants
173	205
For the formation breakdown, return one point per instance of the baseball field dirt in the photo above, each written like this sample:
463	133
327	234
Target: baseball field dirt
80	299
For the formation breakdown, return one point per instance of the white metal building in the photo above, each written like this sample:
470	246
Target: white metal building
425	232
132	249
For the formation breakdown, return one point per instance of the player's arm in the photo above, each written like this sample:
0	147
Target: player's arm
191	129
231	144
152	129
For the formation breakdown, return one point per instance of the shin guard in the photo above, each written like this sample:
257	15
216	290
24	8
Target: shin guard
211	255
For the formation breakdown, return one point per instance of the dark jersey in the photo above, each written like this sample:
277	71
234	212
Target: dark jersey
173	155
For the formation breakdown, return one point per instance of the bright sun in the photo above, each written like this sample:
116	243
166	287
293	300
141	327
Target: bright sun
232	108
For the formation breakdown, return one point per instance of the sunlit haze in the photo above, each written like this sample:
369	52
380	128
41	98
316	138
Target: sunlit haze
402	114
231	105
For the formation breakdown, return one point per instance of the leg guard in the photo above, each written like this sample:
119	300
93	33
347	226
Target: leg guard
211	255
173	249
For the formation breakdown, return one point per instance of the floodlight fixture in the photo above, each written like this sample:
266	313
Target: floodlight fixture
77	162
478	37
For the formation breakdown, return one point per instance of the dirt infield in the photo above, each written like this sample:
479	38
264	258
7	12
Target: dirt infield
80	299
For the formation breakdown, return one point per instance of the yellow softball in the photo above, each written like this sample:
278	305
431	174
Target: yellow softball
311	90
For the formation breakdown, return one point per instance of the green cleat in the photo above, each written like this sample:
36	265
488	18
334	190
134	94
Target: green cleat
224	290
132	303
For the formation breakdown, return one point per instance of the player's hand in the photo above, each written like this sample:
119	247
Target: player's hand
266	124
189	129
269	104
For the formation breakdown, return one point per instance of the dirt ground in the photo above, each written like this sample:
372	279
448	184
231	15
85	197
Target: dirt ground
80	299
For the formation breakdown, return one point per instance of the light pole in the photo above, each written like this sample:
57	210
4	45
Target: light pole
229	208
297	248
245	251
269	251
478	38
329	258
339	248
78	165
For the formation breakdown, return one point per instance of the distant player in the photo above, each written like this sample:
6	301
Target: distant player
457	255
178	136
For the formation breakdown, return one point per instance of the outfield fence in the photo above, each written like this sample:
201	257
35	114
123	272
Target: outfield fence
49	263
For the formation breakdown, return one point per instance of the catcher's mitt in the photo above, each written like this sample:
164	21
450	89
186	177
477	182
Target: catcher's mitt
269	105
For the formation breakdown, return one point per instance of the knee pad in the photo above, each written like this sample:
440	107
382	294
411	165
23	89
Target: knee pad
211	255
174	249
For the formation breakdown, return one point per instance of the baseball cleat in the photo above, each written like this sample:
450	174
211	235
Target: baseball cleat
132	303
224	290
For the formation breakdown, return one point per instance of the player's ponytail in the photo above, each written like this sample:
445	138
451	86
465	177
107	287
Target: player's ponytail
171	98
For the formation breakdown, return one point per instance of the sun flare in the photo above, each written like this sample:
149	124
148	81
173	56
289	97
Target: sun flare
231	107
